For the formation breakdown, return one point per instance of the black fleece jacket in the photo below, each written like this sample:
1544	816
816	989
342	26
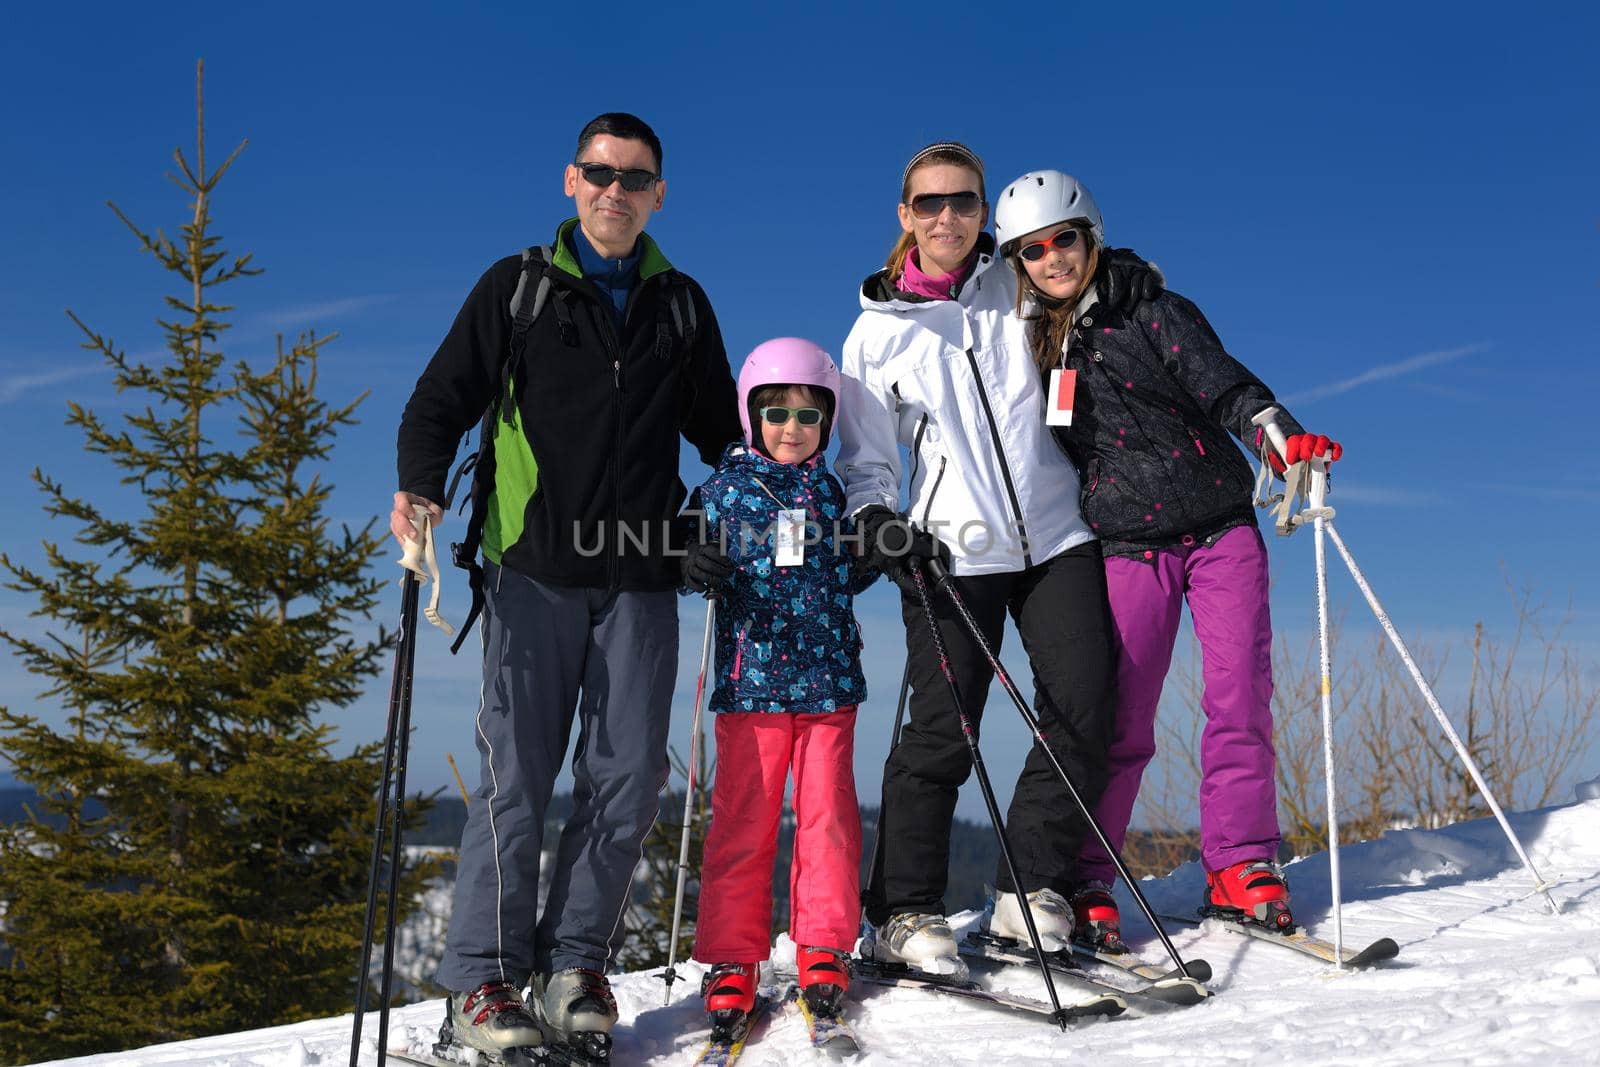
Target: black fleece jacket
588	472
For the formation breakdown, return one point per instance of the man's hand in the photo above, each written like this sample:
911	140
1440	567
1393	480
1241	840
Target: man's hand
401	522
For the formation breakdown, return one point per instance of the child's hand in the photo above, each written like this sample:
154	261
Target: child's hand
706	569
1305	446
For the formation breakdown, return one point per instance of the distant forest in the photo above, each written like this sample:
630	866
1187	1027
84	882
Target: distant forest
973	852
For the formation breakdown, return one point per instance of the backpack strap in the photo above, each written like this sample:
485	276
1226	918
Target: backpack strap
524	310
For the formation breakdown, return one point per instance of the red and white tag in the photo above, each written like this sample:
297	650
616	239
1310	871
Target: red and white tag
1058	404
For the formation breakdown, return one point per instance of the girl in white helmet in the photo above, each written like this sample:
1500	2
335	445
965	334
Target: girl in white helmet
1144	399
938	365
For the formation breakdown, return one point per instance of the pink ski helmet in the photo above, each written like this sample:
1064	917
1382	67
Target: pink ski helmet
787	361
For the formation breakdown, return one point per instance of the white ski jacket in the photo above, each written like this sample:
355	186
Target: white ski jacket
953	381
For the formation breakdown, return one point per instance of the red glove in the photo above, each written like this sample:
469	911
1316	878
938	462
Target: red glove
1304	446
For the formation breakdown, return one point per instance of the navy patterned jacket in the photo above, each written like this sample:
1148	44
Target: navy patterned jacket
786	637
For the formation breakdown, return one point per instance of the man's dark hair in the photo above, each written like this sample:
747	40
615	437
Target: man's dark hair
619	124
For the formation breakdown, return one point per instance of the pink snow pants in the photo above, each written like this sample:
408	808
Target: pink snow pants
1226	586
755	753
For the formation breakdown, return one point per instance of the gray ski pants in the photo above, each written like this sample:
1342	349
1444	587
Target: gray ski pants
551	654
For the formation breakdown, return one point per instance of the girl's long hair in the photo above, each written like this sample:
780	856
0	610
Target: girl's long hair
1049	325
953	152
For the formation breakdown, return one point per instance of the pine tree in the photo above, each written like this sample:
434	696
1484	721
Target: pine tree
199	862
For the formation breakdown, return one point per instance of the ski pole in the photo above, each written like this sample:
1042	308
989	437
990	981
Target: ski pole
396	741
1321	515
971	737
894	743
671	974
1539	884
941	579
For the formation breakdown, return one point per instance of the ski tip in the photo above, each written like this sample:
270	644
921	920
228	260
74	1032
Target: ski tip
1385	948
1199	970
1106	1005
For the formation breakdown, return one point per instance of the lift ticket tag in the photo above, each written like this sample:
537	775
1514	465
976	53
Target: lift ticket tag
791	538
1058	405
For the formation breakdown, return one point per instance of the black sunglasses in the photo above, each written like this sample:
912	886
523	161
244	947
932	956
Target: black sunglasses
779	416
932	205
1063	240
636	180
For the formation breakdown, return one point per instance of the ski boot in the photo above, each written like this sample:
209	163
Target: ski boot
1253	891
491	1019
1096	921
729	990
1052	917
920	941
824	976
577	1006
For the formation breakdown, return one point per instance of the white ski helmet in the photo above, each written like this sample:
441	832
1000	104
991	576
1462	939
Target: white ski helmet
1041	198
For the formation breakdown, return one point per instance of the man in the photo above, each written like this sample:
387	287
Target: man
580	616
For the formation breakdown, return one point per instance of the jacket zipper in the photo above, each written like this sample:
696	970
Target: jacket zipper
608	330
1195	434
916	446
1005	468
937	478
738	654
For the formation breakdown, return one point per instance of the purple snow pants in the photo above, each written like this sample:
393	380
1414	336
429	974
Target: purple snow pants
1226	586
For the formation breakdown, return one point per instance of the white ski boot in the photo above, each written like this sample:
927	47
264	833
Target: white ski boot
491	1018
577	1006
918	940
1052	916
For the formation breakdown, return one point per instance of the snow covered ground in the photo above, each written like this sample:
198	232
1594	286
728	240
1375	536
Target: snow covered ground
1485	976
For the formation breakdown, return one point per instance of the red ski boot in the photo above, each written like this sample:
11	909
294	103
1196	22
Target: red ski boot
824	976
1254	891
1095	919
729	990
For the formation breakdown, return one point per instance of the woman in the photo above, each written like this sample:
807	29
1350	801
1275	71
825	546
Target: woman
937	363
1153	395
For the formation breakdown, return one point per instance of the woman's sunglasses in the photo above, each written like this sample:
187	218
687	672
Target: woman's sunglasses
636	180
932	205
1063	240
779	416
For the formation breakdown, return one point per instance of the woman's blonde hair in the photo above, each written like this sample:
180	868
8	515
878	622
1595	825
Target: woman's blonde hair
1049	325
952	152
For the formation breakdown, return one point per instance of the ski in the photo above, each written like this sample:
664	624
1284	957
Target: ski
1385	948
1129	963
1102	1003
1159	986
829	1032
445	1052
721	1050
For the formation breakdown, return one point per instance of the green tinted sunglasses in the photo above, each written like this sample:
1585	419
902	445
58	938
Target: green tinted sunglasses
777	416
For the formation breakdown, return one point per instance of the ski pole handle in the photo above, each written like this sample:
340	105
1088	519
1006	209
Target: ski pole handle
1317	493
1267	420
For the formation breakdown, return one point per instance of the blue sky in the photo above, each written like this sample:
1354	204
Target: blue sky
1391	215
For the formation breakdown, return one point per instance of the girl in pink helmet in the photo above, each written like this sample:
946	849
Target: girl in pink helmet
788	680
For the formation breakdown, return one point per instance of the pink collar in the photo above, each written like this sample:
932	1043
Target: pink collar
940	287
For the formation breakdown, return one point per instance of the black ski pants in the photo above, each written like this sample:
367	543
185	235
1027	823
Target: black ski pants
1061	613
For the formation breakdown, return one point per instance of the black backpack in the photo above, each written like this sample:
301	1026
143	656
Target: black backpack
678	308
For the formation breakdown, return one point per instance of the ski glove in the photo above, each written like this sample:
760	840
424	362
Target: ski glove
1124	280
894	545
1303	446
706	569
